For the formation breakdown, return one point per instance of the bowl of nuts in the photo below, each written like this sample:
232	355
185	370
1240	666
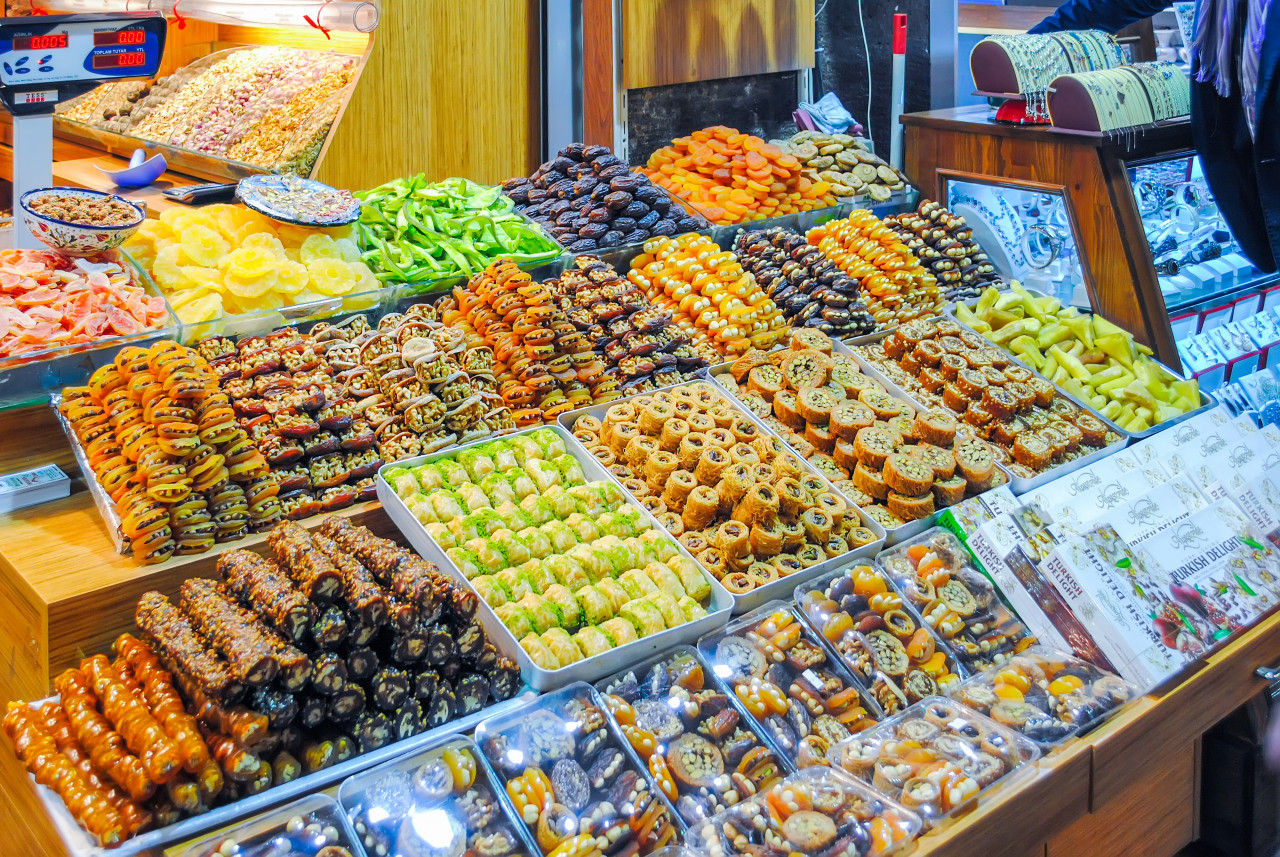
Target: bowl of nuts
79	222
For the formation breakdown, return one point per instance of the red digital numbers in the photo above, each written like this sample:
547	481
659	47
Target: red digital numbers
52	41
119	37
125	60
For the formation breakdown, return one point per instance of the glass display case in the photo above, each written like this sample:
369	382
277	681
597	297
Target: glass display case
1028	231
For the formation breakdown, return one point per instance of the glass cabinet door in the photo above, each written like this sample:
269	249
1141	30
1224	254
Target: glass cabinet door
1028	232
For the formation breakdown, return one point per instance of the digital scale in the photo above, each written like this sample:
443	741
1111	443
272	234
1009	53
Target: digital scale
48	59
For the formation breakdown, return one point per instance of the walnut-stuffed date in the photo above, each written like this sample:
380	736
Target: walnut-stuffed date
176	639
409	647
141	731
362	593
330	673
505	679
261	781
472	693
263	585
236	633
166	705
390	688
88	806
106	747
440	646
373	730
184	793
280	707
409	719
329	629
309	568
362	663
295	667
312	712
345	705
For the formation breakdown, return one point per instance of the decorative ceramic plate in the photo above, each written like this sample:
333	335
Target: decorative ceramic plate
299	201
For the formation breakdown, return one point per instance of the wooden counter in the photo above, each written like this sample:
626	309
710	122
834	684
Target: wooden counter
1130	786
1089	170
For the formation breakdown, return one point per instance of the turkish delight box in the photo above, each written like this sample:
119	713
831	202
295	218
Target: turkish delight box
1259	498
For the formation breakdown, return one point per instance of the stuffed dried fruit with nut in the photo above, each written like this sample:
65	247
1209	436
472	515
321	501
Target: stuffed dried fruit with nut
700	748
1046	695
881	638
572	781
779	670
590	200
937	757
817	812
448	784
809	288
934	573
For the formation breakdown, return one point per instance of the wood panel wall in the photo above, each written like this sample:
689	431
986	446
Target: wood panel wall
449	89
680	41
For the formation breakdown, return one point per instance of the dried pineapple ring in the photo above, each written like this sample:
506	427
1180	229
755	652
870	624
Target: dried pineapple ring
318	246
331	276
248	262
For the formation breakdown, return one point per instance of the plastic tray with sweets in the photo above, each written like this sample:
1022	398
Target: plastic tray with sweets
154	841
313	825
803	221
701	748
1207	400
869	351
832	449
803	699
572	777
1046	694
28	378
934	574
937	758
879	635
555	566
436	800
817	811
679	467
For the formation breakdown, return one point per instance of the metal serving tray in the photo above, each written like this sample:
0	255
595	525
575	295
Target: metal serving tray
1017	484
782	586
894	535
587	669
106	506
156	841
1207	400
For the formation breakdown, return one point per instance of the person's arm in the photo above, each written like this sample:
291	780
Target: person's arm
1108	15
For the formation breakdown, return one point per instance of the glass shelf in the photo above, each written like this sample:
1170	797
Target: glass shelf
1028	231
1196	257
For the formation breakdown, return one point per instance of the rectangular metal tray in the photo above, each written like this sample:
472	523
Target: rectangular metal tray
893	536
1207	400
156	841
588	669
1017	484
105	505
782	586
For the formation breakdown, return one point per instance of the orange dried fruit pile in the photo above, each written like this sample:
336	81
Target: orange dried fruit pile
731	177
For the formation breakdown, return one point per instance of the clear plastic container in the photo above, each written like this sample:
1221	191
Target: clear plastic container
937	757
439	799
801	698
1046	694
701	748
879	635
809	814
934	573
571	777
305	826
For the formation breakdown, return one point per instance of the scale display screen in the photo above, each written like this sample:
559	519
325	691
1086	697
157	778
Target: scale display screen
129	59
119	37
44	51
50	42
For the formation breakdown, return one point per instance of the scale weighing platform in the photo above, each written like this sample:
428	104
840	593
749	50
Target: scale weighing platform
48	59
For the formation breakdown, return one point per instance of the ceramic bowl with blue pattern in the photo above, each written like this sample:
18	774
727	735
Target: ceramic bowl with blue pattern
77	239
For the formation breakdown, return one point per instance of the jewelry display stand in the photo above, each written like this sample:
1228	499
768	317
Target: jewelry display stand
1100	177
